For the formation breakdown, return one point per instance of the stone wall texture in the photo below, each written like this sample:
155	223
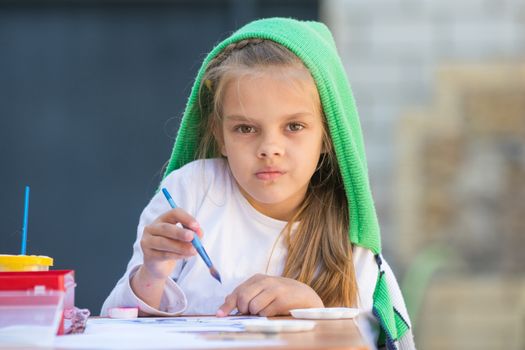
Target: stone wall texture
440	87
392	50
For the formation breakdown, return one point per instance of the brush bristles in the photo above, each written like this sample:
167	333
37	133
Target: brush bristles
215	274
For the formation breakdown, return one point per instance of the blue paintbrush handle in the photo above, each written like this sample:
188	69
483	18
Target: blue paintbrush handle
24	226
200	249
195	241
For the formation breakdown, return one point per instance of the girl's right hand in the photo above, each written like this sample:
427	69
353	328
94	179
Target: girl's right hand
164	242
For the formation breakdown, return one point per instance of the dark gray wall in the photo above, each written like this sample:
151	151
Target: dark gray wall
90	98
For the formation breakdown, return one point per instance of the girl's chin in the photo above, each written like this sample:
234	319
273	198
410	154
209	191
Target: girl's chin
258	196
266	201
267	197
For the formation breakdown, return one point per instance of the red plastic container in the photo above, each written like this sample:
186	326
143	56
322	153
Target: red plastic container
59	280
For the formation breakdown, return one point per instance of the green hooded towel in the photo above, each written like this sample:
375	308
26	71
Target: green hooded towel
313	43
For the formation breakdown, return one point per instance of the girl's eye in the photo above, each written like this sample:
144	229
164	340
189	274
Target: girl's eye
245	129
295	127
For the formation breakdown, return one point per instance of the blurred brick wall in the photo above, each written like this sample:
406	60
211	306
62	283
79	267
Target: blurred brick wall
481	313
440	87
392	50
462	164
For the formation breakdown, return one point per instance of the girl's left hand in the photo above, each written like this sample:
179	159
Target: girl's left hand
269	296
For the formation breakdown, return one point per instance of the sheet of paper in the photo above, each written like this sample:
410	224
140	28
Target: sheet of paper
179	324
166	333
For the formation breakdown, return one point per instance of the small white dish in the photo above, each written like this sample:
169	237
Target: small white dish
278	326
325	313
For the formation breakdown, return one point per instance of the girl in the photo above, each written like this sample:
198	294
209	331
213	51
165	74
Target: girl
270	168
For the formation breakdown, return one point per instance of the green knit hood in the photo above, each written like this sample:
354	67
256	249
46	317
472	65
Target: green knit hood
312	42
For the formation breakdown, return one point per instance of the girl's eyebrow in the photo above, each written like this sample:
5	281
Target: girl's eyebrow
299	115
236	117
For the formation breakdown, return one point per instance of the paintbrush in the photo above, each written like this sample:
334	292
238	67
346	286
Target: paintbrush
24	226
196	242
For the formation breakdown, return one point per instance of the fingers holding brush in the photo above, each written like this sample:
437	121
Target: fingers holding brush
166	240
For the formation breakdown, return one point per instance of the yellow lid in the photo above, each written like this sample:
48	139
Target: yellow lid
25	260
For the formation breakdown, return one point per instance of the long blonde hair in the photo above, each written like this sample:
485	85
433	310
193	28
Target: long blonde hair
319	251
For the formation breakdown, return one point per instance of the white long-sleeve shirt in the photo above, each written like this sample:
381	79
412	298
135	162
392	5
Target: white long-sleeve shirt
240	241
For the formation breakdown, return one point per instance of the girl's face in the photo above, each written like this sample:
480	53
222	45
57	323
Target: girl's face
272	135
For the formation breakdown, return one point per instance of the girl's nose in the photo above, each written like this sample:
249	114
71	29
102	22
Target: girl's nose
270	148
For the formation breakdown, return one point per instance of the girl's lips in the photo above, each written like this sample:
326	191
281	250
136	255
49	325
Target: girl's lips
268	175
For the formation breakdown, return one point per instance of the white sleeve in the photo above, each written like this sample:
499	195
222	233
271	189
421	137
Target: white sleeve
366	272
407	340
173	301
395	293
